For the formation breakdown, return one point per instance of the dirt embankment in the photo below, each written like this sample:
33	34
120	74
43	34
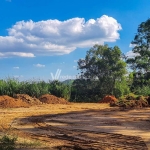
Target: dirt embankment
9	102
51	99
28	99
24	100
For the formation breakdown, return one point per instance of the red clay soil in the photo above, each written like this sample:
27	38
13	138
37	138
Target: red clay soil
26	98
108	99
9	102
51	99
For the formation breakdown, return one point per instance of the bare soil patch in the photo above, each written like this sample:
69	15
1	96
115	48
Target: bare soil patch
28	99
82	126
108	99
51	99
9	102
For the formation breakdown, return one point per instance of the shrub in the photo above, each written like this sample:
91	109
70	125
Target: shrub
145	90
7	143
130	96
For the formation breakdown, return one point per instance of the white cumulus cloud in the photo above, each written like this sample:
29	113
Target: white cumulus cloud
15	67
54	37
39	65
132	45
130	54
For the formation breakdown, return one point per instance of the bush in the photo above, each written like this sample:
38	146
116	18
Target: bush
130	96
121	88
145	90
7	143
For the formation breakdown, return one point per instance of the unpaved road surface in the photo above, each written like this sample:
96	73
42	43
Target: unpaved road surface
83	126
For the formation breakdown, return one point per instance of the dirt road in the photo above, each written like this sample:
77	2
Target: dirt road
81	126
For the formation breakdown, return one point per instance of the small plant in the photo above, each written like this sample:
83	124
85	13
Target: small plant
7	143
130	96
7	140
29	144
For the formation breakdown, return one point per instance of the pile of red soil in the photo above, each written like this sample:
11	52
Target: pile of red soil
26	98
108	99
51	99
9	102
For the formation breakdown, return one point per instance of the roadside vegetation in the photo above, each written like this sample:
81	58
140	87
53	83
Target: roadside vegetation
105	74
104	71
11	87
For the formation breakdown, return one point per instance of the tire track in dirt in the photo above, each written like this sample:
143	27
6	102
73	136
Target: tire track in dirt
83	139
70	129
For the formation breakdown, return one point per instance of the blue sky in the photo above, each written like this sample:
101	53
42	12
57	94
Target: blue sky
37	37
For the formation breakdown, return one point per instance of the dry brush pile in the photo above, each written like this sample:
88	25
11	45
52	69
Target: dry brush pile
130	101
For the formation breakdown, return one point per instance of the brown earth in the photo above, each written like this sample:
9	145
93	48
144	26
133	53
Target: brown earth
24	100
9	102
108	99
28	99
51	99
79	126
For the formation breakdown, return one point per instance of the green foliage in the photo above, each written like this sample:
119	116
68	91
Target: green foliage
145	90
85	91
9	87
60	89
7	143
12	87
121	88
129	96
35	89
141	62
100	70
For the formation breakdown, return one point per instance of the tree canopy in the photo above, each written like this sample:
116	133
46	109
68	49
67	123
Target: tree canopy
141	43
140	63
100	69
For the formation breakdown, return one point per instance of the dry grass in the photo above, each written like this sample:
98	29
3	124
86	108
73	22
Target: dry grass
93	112
9	116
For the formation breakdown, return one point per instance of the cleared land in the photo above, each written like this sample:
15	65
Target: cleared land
78	126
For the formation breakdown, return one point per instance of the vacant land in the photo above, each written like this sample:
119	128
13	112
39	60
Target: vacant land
77	126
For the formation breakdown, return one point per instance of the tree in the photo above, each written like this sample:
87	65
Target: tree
141	62
103	65
85	91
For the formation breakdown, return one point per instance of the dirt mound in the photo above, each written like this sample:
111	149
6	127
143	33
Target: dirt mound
9	102
51	99
108	99
26	98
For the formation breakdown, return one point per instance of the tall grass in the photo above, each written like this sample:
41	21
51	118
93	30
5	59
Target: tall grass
11	87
